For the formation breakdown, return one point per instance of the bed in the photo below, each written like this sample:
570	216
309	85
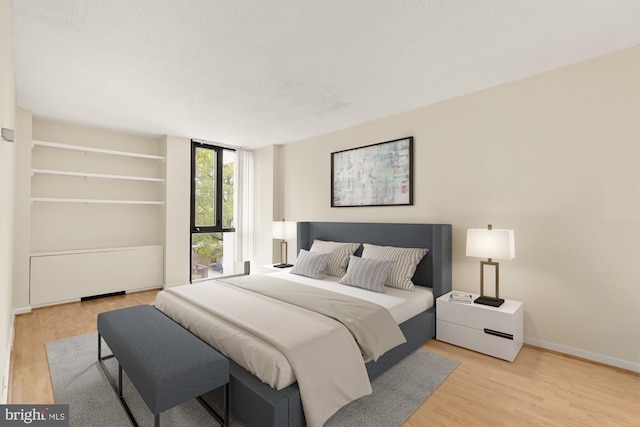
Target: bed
256	403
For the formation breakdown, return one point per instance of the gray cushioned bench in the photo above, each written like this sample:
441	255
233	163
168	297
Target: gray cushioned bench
166	363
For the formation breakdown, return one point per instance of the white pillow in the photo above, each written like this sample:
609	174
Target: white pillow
406	259
340	255
368	274
311	264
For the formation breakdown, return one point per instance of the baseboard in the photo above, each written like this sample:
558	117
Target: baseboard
22	310
4	381
145	289
583	354
50	304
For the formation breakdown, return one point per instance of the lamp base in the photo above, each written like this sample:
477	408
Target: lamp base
493	302
283	265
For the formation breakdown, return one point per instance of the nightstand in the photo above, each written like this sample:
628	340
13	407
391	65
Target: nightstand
269	268
496	331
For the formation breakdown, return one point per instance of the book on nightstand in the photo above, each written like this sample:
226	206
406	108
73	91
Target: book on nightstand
460	297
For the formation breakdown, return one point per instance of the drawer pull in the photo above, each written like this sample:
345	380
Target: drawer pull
498	334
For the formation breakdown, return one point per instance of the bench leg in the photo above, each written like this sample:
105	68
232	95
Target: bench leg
117	387
226	405
100	358
119	381
104	368
222	419
124	402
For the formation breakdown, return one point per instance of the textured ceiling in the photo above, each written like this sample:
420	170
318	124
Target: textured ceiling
253	73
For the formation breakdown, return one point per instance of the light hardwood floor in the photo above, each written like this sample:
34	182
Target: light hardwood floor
539	388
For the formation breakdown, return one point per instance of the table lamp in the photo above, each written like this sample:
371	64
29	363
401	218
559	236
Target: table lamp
491	244
283	230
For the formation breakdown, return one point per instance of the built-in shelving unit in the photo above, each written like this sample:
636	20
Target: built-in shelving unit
101	151
112	244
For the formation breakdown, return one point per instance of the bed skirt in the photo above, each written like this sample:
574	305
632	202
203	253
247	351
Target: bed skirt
256	404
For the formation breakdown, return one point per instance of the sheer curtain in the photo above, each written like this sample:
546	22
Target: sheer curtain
244	205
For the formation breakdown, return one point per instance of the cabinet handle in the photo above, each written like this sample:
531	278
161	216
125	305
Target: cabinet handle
498	334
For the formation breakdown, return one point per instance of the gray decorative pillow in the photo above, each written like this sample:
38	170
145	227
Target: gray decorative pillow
406	259
340	255
311	264
370	274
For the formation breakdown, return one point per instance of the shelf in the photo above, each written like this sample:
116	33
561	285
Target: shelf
96	175
95	150
97	201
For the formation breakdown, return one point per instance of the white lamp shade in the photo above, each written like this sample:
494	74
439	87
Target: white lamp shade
494	244
284	230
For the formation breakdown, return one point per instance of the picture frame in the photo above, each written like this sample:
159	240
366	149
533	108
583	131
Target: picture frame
373	175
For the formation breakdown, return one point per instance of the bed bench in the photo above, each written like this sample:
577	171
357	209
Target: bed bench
166	363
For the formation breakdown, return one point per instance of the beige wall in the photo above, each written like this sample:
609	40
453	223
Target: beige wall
553	157
7	120
265	197
177	211
22	211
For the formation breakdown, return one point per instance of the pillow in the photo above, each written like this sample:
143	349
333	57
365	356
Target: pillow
340	255
367	273
407	260
311	264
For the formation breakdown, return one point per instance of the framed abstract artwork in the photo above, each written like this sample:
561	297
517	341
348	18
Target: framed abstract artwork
374	175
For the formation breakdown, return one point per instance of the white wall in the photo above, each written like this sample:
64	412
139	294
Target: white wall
553	157
7	155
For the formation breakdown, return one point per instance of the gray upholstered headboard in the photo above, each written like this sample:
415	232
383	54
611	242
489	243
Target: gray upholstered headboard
433	271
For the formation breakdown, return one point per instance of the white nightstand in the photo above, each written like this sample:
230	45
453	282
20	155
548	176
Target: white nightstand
269	268
496	331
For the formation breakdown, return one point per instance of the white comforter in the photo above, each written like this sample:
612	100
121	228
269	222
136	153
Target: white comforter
250	324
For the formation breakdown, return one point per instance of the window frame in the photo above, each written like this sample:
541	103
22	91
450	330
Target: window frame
217	228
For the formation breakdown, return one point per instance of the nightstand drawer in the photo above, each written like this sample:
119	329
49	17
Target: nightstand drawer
478	340
506	319
474	317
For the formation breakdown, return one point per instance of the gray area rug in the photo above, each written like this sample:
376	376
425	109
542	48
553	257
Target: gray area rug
79	381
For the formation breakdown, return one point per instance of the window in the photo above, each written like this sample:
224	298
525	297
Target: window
212	209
